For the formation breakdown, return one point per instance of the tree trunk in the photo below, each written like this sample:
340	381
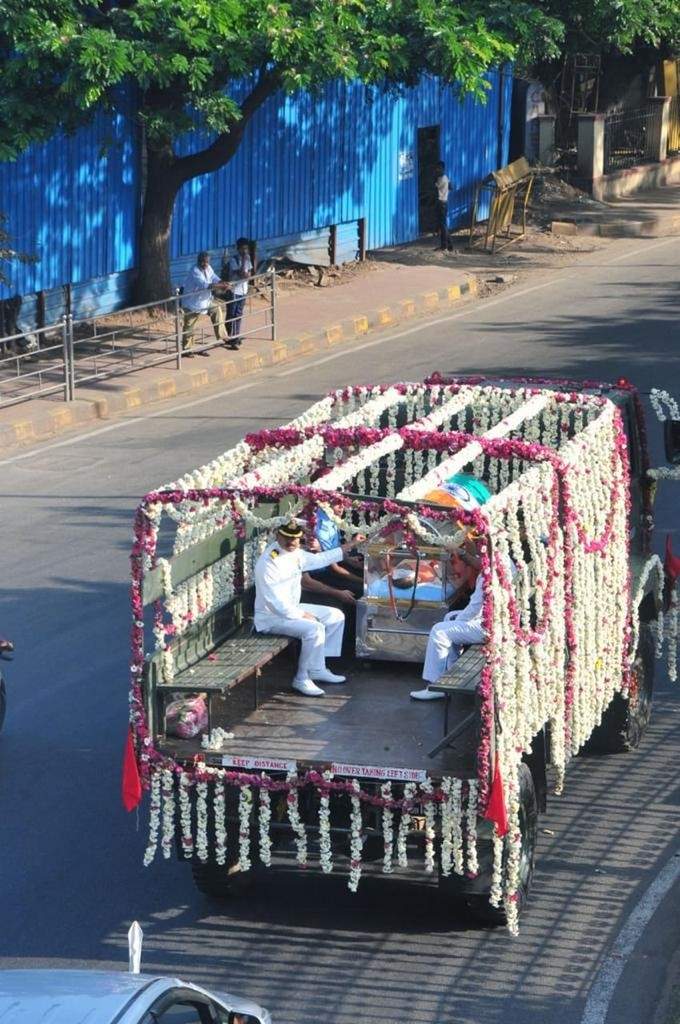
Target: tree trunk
153	270
165	174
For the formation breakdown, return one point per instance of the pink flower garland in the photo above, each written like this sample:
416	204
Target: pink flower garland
144	545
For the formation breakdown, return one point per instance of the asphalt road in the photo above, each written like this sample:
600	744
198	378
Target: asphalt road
71	877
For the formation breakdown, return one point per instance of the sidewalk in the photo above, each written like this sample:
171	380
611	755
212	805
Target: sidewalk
309	320
394	285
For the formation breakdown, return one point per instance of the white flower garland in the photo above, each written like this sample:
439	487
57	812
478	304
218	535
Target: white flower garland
472	864
202	821
659	398
168	836
295	820
154	818
219	810
265	818
404	826
387	828
217	739
245	806
325	848
185	815
355	846
430	813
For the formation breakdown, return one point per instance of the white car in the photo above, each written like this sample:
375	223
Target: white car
113	997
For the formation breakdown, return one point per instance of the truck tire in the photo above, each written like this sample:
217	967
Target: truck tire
471	895
220	881
625	720
223	881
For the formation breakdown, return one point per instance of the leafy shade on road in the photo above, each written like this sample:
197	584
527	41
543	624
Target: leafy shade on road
210	64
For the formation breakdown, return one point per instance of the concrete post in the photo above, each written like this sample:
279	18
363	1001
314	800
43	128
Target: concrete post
590	148
657	139
546	139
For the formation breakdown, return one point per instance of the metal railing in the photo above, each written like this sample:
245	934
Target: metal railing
631	137
58	360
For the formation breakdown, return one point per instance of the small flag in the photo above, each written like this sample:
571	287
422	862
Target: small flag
495	808
131	789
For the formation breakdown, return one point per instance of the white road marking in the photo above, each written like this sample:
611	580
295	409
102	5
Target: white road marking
603	988
471	308
125	423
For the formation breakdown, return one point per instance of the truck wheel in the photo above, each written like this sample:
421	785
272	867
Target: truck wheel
220	881
625	720
472	894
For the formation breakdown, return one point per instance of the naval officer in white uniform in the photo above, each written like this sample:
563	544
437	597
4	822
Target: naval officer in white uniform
278	609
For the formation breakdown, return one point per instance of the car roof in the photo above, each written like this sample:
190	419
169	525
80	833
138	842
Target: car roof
70	996
59	996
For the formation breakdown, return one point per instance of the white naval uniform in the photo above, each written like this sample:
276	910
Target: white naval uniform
278	587
445	639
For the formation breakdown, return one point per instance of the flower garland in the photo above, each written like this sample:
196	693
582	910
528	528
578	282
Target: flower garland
388	827
265	818
325	849
154	820
356	841
245	807
404	825
295	821
558	461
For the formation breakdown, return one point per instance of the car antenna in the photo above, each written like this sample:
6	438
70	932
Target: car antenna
135	939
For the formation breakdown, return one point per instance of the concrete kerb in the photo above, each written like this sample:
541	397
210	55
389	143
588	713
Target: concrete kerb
42	424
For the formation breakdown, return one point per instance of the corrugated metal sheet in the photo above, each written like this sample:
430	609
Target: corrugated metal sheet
304	163
72	202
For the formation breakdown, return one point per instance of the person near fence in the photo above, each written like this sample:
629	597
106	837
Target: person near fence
278	608
198	300
239	269
442	187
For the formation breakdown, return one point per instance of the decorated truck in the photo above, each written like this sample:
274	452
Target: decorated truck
243	772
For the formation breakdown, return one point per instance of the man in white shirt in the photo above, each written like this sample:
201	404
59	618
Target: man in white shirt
278	609
239	270
442	187
458	628
198	300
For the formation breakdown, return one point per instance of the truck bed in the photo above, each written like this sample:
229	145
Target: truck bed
370	720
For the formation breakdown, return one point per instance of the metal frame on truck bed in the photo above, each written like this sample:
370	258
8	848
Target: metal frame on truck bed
364	774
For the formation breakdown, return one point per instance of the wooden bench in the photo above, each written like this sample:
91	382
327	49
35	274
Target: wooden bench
223	666
221	650
461	679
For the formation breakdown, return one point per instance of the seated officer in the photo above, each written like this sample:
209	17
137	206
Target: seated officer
460	627
278	608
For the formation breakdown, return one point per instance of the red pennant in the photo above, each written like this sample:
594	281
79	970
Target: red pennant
671	562
131	789
495	808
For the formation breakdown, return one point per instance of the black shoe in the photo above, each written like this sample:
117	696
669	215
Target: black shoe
187	355
206	354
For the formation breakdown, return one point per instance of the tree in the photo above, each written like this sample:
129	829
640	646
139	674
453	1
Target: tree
60	60
8	254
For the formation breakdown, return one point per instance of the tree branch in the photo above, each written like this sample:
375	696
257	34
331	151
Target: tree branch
225	145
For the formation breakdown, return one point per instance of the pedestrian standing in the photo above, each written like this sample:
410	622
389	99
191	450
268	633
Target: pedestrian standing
198	300
239	270
442	187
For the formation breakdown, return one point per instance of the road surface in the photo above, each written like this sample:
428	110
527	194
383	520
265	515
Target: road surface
70	862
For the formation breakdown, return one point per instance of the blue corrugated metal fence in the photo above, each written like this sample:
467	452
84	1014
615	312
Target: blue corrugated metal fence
305	163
